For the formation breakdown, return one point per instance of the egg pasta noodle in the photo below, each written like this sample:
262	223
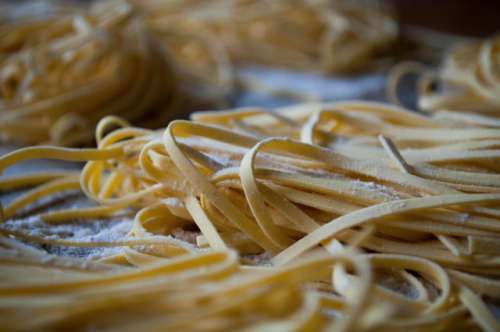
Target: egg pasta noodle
347	239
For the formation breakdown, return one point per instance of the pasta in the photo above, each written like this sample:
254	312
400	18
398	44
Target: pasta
321	36
152	61
470	85
29	23
332	211
61	75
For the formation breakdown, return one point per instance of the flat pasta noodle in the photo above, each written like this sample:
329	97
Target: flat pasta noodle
349	216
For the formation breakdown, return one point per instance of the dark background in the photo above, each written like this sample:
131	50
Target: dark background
479	18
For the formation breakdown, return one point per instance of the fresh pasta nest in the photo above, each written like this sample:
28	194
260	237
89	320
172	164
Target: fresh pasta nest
350	216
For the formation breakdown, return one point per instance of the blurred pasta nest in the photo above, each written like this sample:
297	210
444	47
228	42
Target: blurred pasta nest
60	75
321	36
465	90
152	61
472	72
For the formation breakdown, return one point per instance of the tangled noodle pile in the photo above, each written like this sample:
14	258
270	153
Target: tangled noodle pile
350	216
